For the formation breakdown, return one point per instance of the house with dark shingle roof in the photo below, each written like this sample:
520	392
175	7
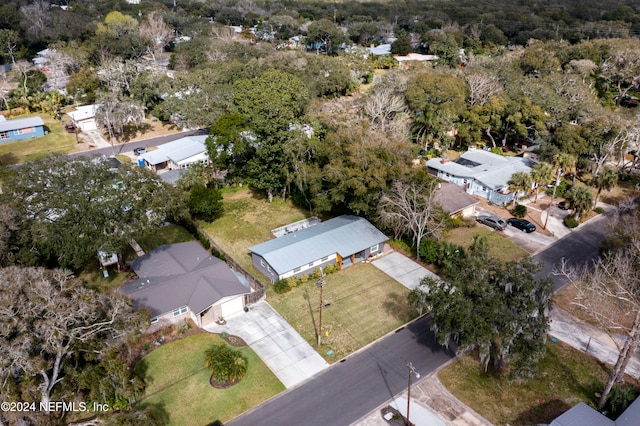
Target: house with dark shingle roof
342	241
21	128
179	281
455	200
481	173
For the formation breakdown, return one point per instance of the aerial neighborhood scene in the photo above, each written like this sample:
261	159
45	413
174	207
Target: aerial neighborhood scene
368	213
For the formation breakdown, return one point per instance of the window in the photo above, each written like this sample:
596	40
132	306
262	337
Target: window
324	259
311	264
269	268
17	132
154	320
4	135
262	263
179	311
295	271
374	249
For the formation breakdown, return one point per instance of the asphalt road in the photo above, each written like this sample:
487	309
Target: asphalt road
578	248
129	147
350	389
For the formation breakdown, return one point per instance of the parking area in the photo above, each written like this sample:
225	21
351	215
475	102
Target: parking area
402	269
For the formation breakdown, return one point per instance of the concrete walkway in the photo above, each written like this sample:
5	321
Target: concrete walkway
402	269
280	347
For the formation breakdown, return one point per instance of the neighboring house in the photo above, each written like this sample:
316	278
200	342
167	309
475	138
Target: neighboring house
84	117
455	200
179	281
405	60
179	154
481	173
343	241
583	415
21	128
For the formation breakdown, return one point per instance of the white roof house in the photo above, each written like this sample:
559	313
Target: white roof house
481	173
84	117
178	154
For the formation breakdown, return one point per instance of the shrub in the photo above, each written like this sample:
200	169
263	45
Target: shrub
620	397
304	278
429	250
281	286
454	222
401	245
570	222
205	202
225	363
217	254
599	210
496	150
562	188
330	269
519	211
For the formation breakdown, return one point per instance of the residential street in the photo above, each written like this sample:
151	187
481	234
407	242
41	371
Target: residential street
349	389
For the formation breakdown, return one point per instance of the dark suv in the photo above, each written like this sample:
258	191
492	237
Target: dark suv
521	224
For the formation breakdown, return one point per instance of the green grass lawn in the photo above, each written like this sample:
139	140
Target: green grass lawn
499	246
56	141
365	304
566	377
178	383
248	220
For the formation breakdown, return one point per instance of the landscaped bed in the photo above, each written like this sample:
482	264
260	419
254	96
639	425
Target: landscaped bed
360	304
566	377
178	387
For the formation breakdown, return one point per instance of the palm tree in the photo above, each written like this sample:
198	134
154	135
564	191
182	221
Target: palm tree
520	182
580	199
226	364
542	174
606	180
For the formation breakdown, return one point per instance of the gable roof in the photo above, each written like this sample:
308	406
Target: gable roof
84	112
20	123
582	415
177	150
490	169
344	235
453	198
182	274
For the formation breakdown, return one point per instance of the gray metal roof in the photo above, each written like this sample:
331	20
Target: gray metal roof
20	123
630	416
182	274
492	170
582	415
344	235
177	150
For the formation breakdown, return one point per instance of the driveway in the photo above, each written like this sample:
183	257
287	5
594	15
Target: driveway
402	269
280	347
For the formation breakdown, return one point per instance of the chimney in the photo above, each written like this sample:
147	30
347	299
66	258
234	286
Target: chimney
444	160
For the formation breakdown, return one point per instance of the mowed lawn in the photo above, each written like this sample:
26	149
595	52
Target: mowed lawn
247	220
178	388
361	304
499	246
566	377
57	141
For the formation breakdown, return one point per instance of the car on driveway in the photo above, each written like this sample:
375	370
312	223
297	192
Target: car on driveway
494	222
139	150
562	205
521	224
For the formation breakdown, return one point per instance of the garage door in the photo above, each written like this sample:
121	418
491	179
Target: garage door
88	125
232	307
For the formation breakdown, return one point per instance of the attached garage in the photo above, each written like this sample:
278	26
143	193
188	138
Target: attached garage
232	307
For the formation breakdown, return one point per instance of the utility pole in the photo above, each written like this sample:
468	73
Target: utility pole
412	370
320	284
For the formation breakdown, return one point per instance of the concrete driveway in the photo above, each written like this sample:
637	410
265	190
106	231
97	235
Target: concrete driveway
280	347
402	269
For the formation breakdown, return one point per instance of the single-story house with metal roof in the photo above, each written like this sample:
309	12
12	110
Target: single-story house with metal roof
21	128
583	415
455	200
183	280
179	154
481	173
84	117
343	241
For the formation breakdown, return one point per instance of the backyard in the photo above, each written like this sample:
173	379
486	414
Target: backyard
566	377
360	305
178	383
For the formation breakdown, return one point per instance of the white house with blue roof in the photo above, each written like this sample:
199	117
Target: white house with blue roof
179	154
481	173
342	241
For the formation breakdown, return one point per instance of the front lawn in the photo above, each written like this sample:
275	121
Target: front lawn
566	377
361	304
247	220
56	141
178	383
499	246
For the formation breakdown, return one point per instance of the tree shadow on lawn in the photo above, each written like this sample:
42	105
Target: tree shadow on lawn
307	297
398	307
543	413
156	411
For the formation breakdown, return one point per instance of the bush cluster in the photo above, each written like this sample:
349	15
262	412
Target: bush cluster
570	222
286	284
519	211
440	253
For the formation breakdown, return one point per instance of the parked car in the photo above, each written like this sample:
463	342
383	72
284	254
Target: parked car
493	221
562	205
521	224
139	150
70	128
